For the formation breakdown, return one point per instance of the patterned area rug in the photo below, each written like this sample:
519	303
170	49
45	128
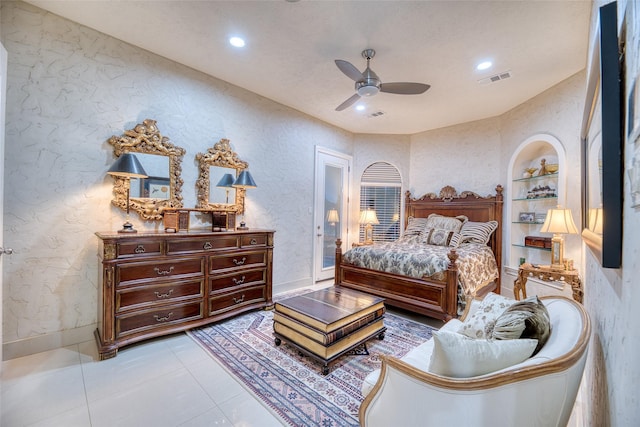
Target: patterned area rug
291	385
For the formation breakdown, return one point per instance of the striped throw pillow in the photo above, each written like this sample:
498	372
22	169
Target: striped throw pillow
478	232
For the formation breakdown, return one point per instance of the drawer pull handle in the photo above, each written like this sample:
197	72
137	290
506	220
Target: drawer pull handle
163	319
238	301
254	242
163	272
208	246
238	282
166	295
241	262
140	249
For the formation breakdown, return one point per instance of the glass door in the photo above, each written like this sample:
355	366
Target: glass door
330	219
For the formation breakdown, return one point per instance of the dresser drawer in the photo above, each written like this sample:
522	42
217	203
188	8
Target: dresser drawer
246	277
234	300
220	264
139	248
148	295
253	240
152	271
213	243
158	318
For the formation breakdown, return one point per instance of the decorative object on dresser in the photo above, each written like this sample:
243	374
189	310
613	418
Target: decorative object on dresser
160	159
127	166
559	221
436	295
154	284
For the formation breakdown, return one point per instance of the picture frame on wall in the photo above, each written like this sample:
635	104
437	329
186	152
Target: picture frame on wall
601	135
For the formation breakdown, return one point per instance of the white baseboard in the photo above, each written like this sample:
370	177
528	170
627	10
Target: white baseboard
46	342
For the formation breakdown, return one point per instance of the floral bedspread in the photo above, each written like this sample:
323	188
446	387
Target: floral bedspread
477	266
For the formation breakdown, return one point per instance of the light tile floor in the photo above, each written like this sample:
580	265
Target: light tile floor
169	381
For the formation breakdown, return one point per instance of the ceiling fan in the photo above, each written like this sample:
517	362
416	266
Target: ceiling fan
368	83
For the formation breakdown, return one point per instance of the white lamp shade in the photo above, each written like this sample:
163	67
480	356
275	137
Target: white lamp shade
559	221
332	215
368	217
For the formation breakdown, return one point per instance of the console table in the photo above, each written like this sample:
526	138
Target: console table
546	273
156	283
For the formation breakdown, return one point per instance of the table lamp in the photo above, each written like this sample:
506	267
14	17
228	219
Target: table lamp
127	166
333	219
244	180
368	217
226	182
559	221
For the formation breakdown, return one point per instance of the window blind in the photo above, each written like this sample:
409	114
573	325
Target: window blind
380	190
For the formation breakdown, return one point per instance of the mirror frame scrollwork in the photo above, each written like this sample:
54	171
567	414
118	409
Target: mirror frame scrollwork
220	155
145	138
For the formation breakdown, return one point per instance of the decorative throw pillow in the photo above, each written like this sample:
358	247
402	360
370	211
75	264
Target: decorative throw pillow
446	222
524	319
440	237
415	226
458	356
481	323
478	232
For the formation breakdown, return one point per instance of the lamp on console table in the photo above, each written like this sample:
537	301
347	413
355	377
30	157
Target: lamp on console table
244	180
368	217
127	166
559	221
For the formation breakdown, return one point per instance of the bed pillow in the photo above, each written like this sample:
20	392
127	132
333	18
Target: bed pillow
446	222
415	226
441	237
524	319
455	355
478	232
481	323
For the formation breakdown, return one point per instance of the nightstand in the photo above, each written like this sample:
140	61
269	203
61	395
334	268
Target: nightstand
544	272
354	245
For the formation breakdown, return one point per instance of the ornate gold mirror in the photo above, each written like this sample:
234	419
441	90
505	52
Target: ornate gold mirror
161	161
219	167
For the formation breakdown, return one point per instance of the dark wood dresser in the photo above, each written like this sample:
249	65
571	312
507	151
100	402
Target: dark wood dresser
159	283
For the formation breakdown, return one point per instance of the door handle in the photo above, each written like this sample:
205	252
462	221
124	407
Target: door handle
6	251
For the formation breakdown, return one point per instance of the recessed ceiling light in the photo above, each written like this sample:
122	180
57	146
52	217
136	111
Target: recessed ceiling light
360	107
236	41
484	65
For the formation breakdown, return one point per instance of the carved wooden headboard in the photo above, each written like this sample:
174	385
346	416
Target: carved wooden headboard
451	203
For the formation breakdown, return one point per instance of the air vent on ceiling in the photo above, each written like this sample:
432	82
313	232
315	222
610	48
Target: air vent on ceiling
376	114
495	78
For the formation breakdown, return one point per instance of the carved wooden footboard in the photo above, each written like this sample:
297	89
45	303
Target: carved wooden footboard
434	298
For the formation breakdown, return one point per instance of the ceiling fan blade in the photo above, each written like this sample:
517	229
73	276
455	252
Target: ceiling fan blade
349	70
348	103
404	88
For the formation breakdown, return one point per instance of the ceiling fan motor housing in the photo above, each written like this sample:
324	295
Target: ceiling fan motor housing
369	87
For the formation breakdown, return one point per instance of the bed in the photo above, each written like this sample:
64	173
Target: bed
441	294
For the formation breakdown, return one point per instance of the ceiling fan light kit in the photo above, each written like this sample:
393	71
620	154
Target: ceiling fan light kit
368	83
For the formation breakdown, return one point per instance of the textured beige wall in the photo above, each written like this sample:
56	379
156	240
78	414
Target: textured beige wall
612	296
69	89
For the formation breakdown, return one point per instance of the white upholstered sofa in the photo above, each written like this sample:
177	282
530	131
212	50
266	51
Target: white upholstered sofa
540	391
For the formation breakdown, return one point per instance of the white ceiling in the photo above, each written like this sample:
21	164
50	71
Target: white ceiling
291	48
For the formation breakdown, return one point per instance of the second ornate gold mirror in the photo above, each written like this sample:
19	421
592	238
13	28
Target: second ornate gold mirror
161	161
219	167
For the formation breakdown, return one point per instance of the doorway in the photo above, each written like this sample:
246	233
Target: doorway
331	209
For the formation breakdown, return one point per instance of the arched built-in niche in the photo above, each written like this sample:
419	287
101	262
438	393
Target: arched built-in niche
520	206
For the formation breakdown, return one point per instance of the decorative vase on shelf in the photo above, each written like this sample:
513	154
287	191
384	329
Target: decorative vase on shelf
528	172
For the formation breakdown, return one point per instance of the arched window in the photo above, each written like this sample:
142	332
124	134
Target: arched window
380	188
